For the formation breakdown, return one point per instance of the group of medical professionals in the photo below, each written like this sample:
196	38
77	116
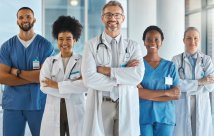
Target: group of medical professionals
111	90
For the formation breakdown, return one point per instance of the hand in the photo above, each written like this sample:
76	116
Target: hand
206	80
13	71
50	83
133	63
174	93
104	70
139	86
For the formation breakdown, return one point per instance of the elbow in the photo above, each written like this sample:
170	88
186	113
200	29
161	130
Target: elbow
2	78
177	97
86	81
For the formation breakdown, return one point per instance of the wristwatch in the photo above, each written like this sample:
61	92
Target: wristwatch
18	72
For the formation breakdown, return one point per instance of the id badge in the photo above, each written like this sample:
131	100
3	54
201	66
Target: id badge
74	75
168	80
36	64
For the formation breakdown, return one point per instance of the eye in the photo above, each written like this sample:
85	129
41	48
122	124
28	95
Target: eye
20	17
157	40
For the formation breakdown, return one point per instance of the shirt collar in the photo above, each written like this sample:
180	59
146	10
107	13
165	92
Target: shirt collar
195	55
109	38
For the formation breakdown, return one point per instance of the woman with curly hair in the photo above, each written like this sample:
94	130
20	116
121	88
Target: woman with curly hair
60	79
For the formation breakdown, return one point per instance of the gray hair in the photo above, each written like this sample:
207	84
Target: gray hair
112	3
190	29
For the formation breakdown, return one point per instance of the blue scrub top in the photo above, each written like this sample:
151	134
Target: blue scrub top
154	79
14	54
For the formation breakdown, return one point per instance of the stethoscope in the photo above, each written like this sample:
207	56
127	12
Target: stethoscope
181	68
53	61
106	61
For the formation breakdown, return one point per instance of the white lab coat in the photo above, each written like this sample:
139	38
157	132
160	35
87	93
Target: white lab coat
190	87
70	89
124	79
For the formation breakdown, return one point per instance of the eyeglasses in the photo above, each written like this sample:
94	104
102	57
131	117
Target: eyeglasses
110	15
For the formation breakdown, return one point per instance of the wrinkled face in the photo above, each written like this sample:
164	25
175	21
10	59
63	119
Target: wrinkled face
191	41
152	41
25	20
65	42
113	18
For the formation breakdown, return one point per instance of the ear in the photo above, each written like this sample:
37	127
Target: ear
102	18
34	20
123	18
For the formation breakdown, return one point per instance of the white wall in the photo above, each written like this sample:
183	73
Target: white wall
141	14
170	18
167	14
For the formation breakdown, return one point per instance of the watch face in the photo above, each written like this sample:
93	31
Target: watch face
18	72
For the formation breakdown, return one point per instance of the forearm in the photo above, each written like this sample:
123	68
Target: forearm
11	80
164	99
32	76
150	94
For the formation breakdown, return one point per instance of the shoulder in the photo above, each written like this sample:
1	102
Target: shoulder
42	40
178	56
206	58
10	42
168	63
130	42
78	57
93	41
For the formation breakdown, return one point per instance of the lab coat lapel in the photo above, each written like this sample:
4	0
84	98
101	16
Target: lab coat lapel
57	64
122	51
105	42
70	66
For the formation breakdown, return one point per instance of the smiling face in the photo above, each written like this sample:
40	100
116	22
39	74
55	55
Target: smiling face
25	19
65	42
113	18
152	41
191	41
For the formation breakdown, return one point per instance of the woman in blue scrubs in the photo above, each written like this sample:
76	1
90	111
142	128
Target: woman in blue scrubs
158	88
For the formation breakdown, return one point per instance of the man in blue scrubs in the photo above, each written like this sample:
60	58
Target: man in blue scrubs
21	58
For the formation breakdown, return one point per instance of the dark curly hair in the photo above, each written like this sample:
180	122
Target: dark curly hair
67	24
152	28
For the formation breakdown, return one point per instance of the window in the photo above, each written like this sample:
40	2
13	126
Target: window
87	12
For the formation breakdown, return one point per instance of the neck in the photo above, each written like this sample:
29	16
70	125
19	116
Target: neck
113	34
152	57
66	55
26	35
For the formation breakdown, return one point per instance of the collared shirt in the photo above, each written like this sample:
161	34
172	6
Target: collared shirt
192	59
109	39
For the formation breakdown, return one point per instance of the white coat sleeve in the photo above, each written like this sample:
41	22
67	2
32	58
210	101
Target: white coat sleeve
191	87
130	75
70	87
45	72
91	77
209	70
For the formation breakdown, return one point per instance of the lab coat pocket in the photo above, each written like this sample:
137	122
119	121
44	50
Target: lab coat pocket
74	75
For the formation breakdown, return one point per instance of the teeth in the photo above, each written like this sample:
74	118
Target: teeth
64	47
153	47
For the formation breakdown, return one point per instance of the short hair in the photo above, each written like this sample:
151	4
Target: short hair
190	29
67	24
153	28
24	8
112	3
